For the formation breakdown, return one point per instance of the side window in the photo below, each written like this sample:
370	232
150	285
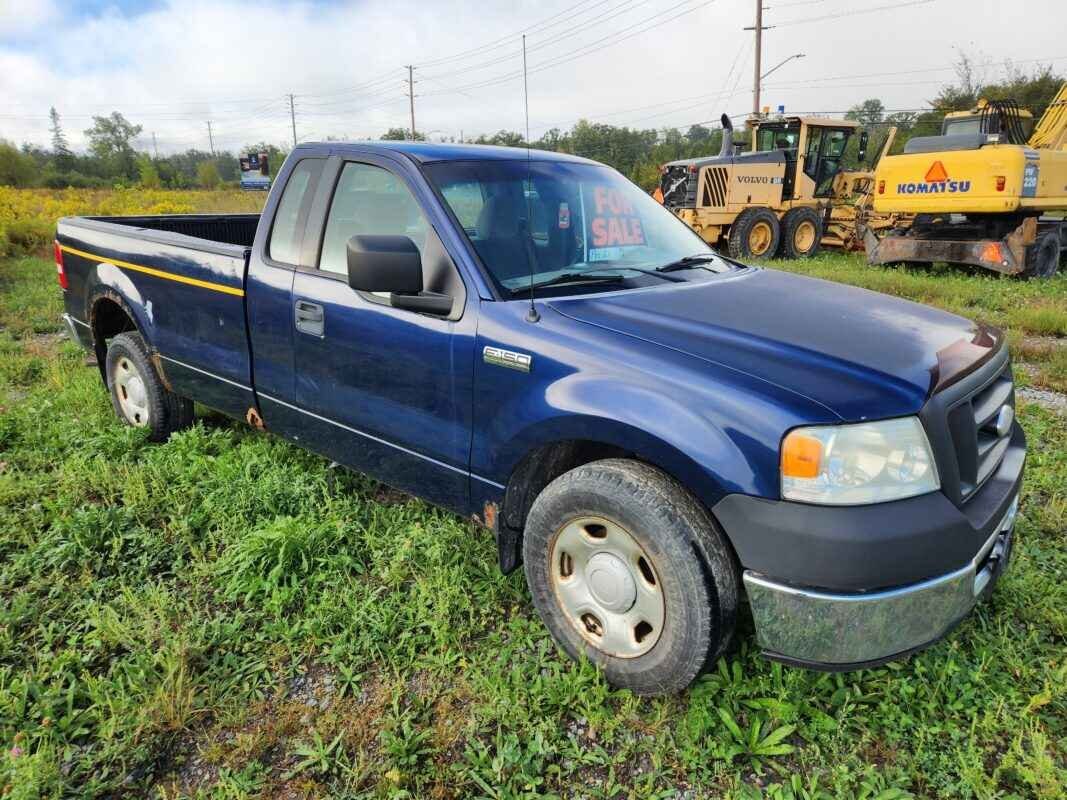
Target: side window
466	200
287	234
369	200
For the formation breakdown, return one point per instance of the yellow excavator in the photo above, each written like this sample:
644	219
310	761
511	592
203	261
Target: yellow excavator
990	191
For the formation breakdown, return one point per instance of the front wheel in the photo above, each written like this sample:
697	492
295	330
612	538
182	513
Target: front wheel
627	568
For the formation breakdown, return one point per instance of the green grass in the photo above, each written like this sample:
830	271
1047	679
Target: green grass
227	616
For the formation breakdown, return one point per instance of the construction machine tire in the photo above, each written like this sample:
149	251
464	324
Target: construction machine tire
754	234
801	233
1043	256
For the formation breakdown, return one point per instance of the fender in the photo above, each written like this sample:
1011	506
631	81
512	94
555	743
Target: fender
678	433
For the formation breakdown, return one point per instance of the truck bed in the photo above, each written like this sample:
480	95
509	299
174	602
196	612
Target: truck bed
184	276
199	231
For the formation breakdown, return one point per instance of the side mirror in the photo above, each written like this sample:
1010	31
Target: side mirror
863	146
392	264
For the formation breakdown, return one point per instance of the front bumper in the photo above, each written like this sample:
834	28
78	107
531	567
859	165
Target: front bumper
850	631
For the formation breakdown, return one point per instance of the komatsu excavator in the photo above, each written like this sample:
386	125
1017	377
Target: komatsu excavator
990	191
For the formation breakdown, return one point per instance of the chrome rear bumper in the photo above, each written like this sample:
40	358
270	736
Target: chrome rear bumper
849	631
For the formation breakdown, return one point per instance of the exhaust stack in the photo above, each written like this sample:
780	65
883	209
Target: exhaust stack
727	137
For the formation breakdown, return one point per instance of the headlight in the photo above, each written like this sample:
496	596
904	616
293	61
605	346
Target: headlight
847	465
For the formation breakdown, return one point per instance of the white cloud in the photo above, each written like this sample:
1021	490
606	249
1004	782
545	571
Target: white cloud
174	67
20	17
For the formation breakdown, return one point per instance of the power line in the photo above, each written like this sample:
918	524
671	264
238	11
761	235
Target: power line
593	47
852	13
620	8
496	44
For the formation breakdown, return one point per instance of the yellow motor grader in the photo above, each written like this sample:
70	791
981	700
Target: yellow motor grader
787	196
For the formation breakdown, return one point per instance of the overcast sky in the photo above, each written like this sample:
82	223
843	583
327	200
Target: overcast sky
172	65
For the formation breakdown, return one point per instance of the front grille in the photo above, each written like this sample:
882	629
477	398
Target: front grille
679	187
973	425
714	187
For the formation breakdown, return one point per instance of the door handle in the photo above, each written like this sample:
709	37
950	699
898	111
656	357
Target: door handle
310	318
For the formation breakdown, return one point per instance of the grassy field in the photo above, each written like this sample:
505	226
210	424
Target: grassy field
227	616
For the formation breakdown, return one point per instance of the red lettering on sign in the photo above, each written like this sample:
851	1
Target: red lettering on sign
600	233
616	223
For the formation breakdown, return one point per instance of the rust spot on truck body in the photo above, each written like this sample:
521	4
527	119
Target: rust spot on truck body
253	419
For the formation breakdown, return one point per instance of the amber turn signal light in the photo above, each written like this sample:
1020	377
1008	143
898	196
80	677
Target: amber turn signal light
801	456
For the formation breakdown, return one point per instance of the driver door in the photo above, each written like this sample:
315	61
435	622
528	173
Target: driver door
386	391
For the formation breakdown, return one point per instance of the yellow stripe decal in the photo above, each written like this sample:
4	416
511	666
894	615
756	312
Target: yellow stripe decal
170	276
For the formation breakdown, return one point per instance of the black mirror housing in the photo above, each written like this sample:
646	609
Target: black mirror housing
863	146
384	264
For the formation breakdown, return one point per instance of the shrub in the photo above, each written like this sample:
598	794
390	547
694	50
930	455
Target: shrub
28	236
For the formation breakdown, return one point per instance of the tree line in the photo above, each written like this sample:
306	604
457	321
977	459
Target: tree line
111	158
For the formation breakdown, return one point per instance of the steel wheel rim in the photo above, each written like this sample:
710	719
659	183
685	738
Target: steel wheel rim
759	238
131	392
804	237
607	586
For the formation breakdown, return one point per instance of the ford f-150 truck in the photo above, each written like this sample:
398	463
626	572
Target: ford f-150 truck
654	431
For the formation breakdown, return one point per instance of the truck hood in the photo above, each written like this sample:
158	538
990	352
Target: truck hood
861	354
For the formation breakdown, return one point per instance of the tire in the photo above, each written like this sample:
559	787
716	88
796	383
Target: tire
801	233
1043	256
598	523
754	234
138	395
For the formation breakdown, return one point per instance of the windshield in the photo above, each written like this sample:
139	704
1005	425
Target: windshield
973	124
579	216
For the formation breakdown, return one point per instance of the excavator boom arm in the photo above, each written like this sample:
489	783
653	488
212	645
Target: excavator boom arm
1051	130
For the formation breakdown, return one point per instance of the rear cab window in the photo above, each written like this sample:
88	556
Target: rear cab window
290	218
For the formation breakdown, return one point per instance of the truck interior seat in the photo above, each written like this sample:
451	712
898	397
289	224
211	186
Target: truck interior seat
498	239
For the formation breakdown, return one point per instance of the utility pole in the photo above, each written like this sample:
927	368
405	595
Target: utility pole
759	28
154	148
292	117
210	138
411	97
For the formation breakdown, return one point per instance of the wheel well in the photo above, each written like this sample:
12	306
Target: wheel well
108	317
542	466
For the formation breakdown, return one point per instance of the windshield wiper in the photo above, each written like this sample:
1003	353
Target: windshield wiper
567	277
590	275
688	262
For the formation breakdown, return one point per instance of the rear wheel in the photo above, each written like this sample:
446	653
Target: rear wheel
801	233
754	234
625	567
138	395
1043	256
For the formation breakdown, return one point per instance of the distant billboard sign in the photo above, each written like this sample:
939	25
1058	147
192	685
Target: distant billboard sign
255	172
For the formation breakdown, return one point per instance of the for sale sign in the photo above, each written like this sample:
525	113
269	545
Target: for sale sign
612	223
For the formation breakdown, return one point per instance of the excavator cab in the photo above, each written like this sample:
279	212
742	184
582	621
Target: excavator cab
1001	118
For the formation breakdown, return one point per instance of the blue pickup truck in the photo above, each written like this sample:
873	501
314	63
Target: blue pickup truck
655	432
